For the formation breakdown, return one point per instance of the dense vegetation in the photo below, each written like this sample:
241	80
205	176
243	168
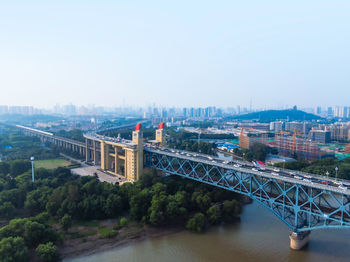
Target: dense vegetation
320	167
273	115
15	145
59	196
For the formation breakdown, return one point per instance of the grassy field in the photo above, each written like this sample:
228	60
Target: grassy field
52	163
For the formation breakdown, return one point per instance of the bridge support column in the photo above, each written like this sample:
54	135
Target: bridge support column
115	160
86	151
104	156
95	154
299	239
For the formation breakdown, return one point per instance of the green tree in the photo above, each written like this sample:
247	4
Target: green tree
123	222
4	168
13	249
196	223
140	203
14	229
259	151
36	233
37	199
7	210
202	200
66	222
214	214
231	209
18	167
48	252
113	205
157	209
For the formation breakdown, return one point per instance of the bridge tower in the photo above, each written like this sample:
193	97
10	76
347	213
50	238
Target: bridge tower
104	155
160	134
134	157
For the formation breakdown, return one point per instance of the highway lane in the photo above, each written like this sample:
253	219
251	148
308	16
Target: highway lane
337	185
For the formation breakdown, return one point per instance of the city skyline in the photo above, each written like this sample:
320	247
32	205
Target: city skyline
342	112
115	54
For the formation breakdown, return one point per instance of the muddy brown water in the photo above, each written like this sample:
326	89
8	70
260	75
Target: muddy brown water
259	236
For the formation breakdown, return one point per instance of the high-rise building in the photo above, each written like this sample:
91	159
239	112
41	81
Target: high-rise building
341	111
185	112
339	131
219	112
164	113
300	127
320	136
69	109
318	110
330	111
276	126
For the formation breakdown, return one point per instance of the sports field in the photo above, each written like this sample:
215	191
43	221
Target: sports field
52	163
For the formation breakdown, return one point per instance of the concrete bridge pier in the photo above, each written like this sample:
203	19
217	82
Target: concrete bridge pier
299	239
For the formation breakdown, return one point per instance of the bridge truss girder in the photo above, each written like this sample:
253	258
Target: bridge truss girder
300	207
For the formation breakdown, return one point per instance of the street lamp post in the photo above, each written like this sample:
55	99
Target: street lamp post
336	171
32	160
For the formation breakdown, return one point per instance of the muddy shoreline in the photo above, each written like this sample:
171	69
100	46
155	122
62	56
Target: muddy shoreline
126	236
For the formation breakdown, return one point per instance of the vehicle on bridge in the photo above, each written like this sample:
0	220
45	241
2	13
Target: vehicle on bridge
304	202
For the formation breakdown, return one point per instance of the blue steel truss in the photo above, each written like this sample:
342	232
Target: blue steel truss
300	207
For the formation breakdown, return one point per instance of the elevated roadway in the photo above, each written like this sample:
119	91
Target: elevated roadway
302	201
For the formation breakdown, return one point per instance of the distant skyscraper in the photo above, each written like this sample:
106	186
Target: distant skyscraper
185	112
69	109
219	112
330	111
164	113
318	110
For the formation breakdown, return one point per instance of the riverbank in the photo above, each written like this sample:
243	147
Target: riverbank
90	243
91	237
259	236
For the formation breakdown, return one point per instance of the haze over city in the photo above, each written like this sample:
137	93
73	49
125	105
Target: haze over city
198	53
174	131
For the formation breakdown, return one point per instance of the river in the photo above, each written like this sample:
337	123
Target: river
259	236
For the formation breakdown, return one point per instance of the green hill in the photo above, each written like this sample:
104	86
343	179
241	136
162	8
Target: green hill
273	115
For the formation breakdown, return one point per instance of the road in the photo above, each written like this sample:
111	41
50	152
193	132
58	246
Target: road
88	170
333	184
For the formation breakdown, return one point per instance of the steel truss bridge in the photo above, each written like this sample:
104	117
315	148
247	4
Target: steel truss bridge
301	205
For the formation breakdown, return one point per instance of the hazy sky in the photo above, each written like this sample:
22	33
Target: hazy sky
175	53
